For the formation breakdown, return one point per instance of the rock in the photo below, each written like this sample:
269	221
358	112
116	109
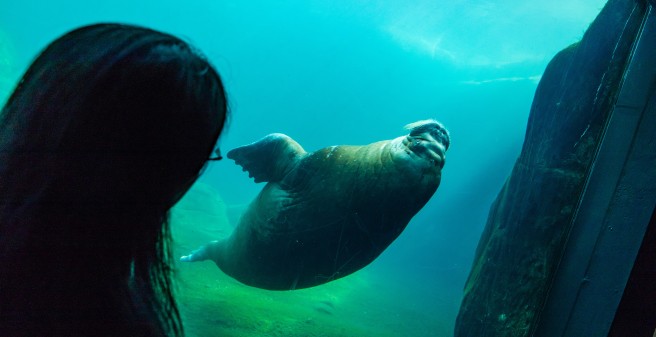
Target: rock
199	216
528	222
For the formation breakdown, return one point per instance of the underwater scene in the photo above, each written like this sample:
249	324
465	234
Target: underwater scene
328	73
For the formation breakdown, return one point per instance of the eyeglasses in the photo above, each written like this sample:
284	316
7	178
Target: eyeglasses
218	156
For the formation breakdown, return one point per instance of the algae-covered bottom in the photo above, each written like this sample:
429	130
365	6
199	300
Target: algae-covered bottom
212	304
365	304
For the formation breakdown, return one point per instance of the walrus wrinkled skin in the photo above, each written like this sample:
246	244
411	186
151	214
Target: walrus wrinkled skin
326	214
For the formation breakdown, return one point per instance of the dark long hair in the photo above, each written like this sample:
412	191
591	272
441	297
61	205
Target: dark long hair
107	129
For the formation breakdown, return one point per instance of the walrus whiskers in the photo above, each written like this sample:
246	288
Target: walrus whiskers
427	125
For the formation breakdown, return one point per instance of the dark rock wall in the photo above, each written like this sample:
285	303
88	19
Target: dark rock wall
529	221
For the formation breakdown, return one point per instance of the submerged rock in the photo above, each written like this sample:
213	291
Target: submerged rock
199	216
528	222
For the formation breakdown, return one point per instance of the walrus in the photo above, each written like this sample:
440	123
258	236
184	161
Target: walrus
326	214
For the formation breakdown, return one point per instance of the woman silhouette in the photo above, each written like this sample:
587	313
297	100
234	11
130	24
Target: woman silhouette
107	129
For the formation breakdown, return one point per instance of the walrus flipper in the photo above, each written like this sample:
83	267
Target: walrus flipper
268	159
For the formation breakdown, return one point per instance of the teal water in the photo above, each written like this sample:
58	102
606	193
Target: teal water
343	72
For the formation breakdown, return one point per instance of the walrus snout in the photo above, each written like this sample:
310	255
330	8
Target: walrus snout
427	147
432	128
429	140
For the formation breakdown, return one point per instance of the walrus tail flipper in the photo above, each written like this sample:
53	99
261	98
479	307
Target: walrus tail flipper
206	252
268	159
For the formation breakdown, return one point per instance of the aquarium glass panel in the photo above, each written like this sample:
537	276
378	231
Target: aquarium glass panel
393	129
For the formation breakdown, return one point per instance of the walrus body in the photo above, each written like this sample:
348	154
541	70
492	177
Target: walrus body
326	214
